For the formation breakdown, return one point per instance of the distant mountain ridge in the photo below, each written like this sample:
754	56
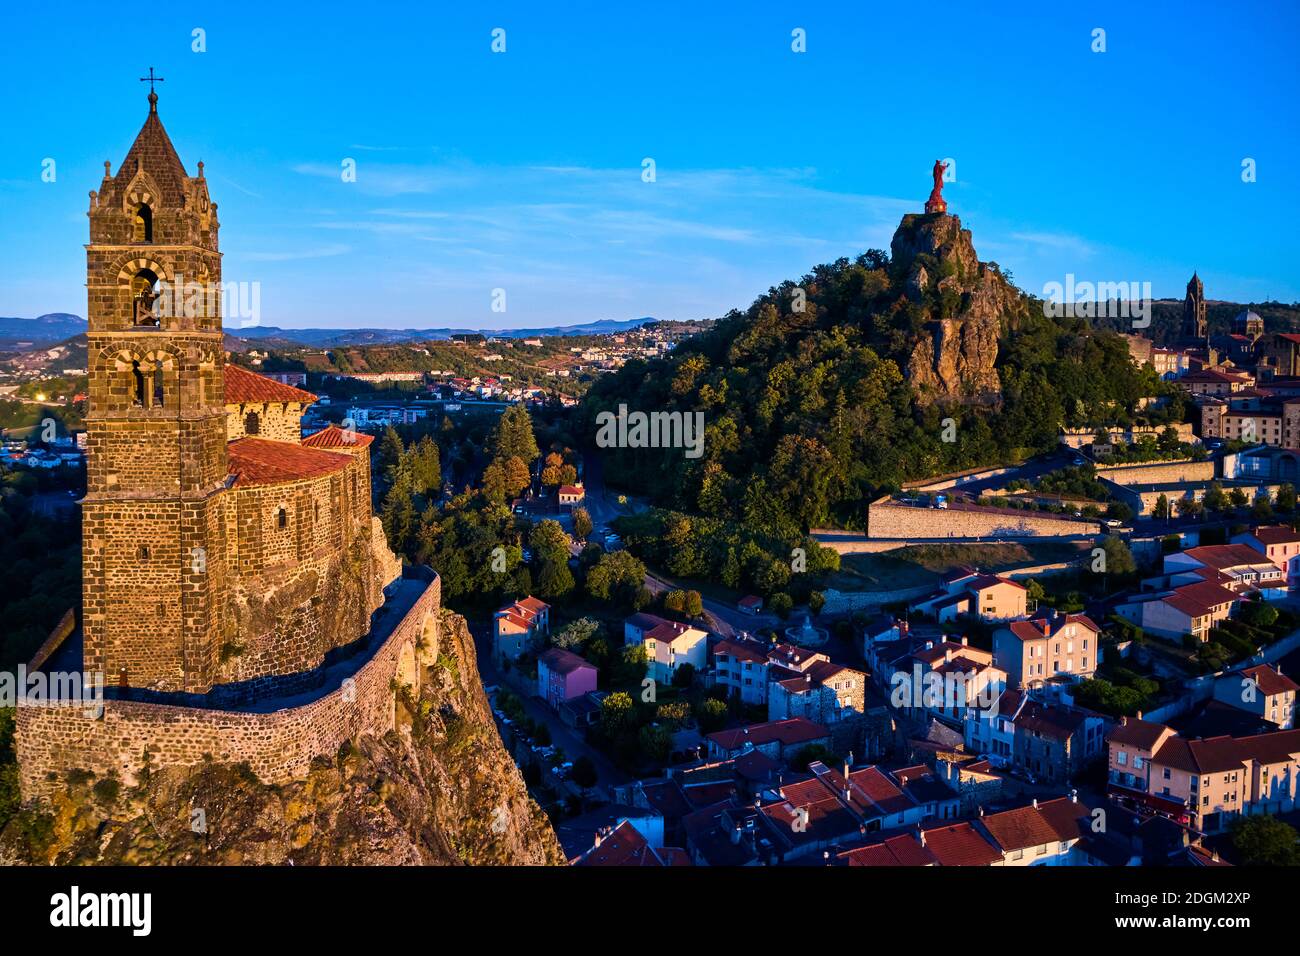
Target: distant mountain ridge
46	330
368	336
41	331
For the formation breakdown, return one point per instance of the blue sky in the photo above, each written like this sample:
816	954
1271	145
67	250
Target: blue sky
522	170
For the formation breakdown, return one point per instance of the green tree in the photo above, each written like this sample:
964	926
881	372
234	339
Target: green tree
1119	559
693	604
514	437
617	576
516	475
1215	499
1161	509
390	451
1265	841
554	580
426	467
1286	497
575	635
781	604
816	601
582	526
549	541
656	743
617	714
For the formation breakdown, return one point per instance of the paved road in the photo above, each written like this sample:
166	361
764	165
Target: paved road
562	735
723	619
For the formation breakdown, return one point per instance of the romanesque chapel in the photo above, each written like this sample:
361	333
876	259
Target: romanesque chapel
220	546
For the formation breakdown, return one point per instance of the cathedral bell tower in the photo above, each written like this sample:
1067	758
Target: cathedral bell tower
153	545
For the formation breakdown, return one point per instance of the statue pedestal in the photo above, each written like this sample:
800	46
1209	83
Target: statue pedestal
936	205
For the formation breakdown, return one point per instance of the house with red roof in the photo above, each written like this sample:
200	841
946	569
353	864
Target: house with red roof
965	592
519	626
1263	690
669	645
1045	833
1205	783
1280	544
778	739
563	675
1177	612
1048	646
1238	567
570	495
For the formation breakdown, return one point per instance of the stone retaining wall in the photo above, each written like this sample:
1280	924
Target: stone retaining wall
887	520
1158	472
277	745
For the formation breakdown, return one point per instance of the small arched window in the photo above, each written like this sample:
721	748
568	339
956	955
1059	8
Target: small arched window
144	223
252	423
281	518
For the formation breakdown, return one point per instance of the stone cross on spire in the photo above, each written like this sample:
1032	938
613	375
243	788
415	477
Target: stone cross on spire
153	97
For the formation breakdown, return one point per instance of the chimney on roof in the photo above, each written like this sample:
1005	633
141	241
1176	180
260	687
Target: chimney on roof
929	645
1035	803
923	834
600	836
1139	716
981	811
1074	796
964	641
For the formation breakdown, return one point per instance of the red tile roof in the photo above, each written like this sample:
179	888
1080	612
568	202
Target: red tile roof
1223	556
901	850
248	388
1051	821
561	661
795	730
335	437
1269	681
1275	534
1132	732
627	847
257	461
958	844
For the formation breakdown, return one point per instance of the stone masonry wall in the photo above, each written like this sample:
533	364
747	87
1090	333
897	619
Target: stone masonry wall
278	746
885	520
1158	472
276	421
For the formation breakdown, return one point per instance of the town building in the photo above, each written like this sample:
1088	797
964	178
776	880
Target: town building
967	592
518	627
563	675
1047	646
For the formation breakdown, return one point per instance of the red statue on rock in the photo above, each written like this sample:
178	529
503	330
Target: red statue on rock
936	202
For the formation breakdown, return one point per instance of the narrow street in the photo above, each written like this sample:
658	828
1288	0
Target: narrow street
562	735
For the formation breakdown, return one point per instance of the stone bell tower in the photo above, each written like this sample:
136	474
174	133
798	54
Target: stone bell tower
153	545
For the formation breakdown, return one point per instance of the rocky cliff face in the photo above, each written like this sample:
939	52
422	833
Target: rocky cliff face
439	790
964	301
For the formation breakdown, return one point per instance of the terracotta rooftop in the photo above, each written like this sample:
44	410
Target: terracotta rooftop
561	661
958	844
1223	556
901	850
256	461
248	388
1051	821
1276	534
796	730
1134	732
334	437
1269	681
